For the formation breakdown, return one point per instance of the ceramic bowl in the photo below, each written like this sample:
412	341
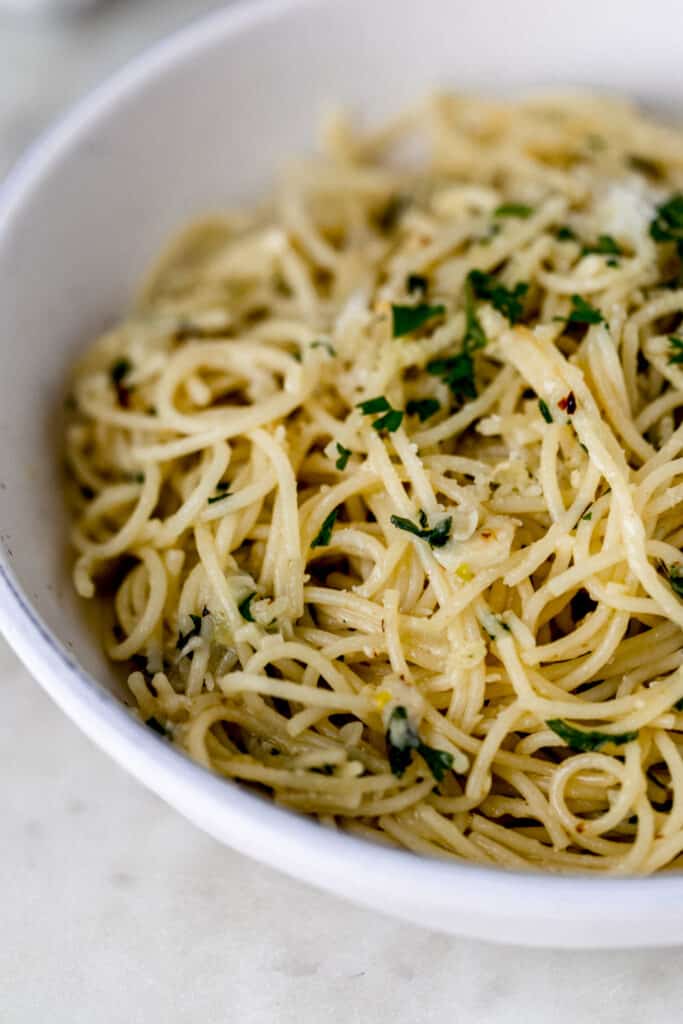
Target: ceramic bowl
200	121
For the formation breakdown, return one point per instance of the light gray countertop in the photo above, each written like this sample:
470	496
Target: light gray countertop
113	908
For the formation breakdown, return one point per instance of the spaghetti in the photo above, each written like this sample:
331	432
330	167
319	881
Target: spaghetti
381	484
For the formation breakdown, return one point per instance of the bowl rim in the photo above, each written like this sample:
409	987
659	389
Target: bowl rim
245	821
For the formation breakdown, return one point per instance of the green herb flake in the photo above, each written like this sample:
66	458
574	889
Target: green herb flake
438	761
325	532
402	739
679	704
344	456
437	537
676	350
508	301
588	739
223	488
583	313
409	318
244	607
587	516
545	411
474	332
520	210
195	631
565	234
458	373
676	579
120	369
423	407
667	225
390	421
370	405
605	246
329	348
417	283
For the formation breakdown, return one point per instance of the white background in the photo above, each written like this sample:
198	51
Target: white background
114	909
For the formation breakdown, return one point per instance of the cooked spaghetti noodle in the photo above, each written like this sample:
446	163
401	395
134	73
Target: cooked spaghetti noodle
382	485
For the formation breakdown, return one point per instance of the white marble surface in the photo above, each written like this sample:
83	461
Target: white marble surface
113	909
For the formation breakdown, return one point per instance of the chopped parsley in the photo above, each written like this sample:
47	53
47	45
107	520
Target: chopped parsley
565	234
605	246
195	631
588	739
583	313
120	369
667	225
507	301
474	332
513	210
675	574
402	738
409	318
223	488
244	607
390	421
344	456
587	516
417	283
545	411
370	405
329	348
423	407
325	532
676	349
436	536
458	373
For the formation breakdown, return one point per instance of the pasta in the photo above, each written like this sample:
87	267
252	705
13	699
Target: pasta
381	483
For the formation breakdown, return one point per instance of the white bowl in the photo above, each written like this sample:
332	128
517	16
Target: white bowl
203	119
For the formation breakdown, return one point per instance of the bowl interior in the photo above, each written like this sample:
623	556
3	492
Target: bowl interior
205	121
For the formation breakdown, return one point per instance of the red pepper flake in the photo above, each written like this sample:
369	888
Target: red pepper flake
568	404
486	534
